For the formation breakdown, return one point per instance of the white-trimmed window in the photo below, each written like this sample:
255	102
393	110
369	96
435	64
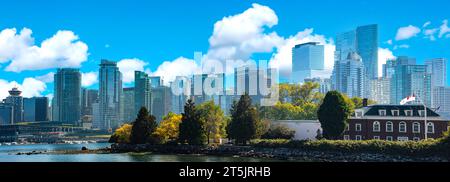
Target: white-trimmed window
402	127
422	113
416	139
382	112
408	113
358	137
389	126
389	138
346	137
430	127
416	127
395	112
402	139
376	126
376	137
358	127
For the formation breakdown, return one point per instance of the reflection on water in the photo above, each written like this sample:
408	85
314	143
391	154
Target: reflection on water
8	154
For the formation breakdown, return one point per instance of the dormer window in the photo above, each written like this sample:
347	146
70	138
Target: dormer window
422	113
408	113
358	114
382	112
395	112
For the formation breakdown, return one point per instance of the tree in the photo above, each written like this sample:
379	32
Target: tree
122	134
214	121
168	129
245	122
279	131
333	114
191	127
305	93
358	102
143	128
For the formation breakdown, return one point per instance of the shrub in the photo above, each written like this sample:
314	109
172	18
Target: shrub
279	132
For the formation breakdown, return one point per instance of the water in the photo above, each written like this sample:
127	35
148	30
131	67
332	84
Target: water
8	154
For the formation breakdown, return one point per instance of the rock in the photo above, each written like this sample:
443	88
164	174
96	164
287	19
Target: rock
84	148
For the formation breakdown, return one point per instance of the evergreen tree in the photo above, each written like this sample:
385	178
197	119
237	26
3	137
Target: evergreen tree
333	114
191	128
143	128
245	122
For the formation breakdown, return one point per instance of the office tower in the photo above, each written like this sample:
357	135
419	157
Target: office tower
441	100
161	101
6	114
308	61
247	80
350	76
155	81
367	48
67	96
324	84
179	100
410	79
438	70
128	111
35	109
109	96
16	100
88	97
142	91
380	89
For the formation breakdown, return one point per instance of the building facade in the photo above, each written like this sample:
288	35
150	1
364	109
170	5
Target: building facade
129	114
6	114
380	90
88	97
16	100
161	101
142	91
395	123
36	109
411	80
109	96
350	76
67	96
441	100
438	70
308	61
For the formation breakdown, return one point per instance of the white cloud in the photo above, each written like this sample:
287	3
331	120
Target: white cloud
429	33
47	78
282	59
408	32
127	68
389	42
64	49
443	29
384	54
89	78
238	36
426	24
402	46
30	87
179	67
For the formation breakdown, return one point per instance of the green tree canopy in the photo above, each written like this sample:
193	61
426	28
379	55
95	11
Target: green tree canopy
245	123
143	128
333	114
191	126
214	121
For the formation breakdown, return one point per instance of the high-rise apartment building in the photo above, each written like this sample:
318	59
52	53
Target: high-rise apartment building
349	76
142	91
128	111
6	114
380	90
438	70
88	97
67	96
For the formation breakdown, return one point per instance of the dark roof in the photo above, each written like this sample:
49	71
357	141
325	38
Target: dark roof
373	110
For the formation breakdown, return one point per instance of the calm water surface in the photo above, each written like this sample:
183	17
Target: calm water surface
8	154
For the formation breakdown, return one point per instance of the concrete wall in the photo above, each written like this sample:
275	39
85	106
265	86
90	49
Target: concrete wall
304	129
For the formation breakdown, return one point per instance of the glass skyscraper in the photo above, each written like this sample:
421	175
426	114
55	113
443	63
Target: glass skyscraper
6	114
350	76
142	90
35	109
367	48
438	70
67	96
128	111
308	61
109	96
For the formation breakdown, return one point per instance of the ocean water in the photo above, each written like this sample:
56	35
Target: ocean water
8	153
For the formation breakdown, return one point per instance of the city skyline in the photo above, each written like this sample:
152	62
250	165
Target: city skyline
424	38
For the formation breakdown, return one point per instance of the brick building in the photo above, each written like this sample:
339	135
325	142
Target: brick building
394	122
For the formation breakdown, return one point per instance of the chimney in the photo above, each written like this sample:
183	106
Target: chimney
365	102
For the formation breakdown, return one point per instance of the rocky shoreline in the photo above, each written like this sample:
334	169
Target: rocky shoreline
287	154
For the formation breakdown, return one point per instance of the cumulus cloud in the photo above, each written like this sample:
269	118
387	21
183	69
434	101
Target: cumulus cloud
429	33
127	68
389	42
30	87
47	78
179	67
384	54
443	29
402	46
238	36
408	32
89	78
64	49
426	24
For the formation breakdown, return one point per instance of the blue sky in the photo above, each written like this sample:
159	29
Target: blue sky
158	31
